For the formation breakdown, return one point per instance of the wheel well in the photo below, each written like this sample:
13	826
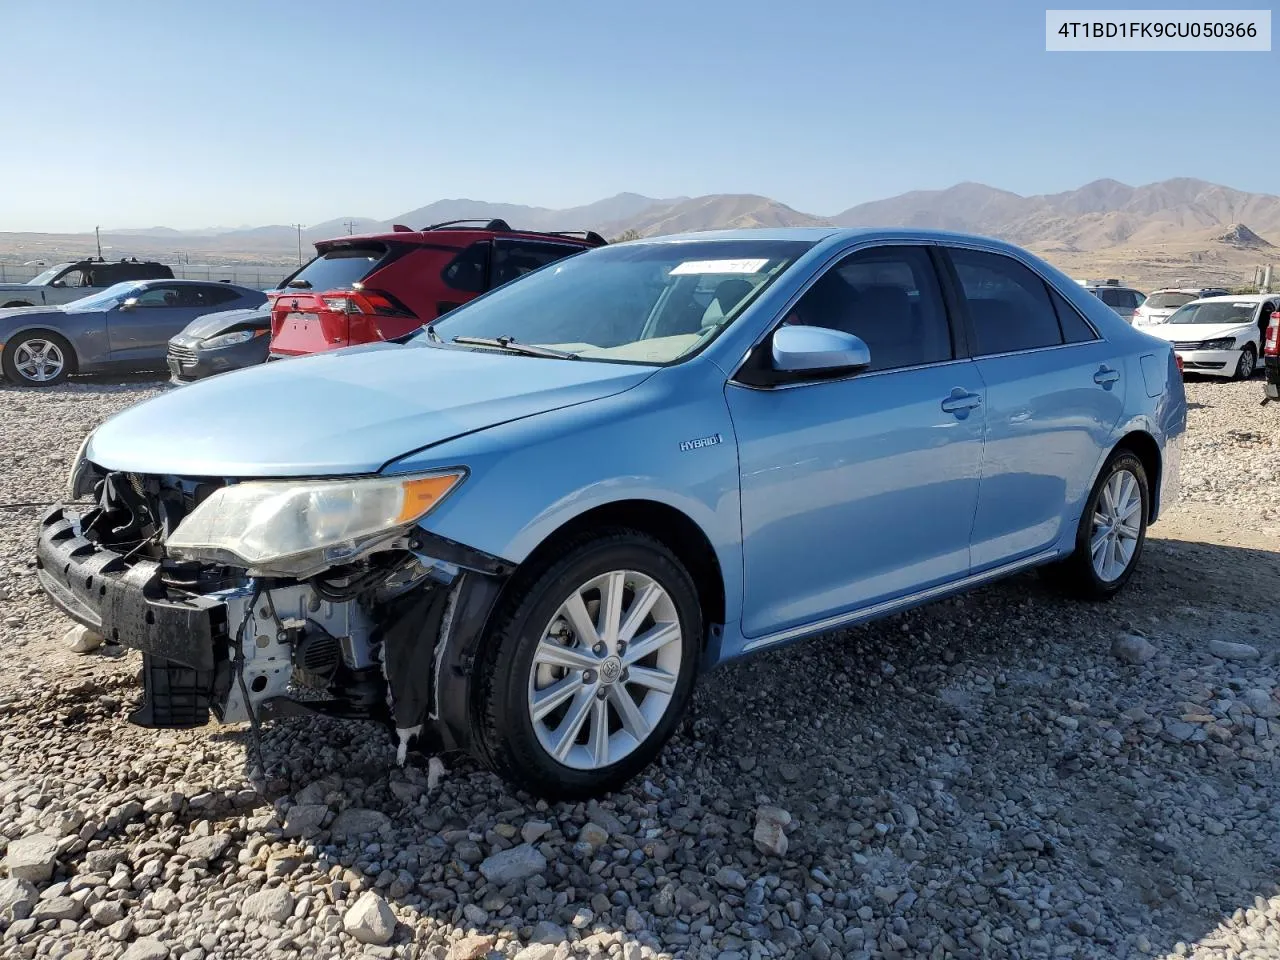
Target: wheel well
17	303
1145	448
73	361
675	529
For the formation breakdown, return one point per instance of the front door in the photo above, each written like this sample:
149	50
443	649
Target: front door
141	332
1055	392
863	488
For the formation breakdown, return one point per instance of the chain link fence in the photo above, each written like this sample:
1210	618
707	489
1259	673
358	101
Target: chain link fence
257	276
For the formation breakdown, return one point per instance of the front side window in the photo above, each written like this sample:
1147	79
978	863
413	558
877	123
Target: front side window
106	299
1008	304
73	278
650	303
888	297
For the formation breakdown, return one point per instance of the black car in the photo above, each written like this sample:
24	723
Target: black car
218	342
65	282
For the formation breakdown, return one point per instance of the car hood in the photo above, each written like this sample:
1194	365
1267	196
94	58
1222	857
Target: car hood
18	286
1194	332
212	324
346	412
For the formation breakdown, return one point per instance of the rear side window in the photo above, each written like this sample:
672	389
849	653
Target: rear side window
216	295
887	296
1075	328
512	259
338	269
469	269
1008	304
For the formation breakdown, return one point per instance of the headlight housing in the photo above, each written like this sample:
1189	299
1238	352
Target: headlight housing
231	339
298	528
79	471
1222	343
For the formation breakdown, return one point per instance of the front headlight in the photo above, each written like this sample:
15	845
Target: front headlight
299	528
231	339
1222	343
79	471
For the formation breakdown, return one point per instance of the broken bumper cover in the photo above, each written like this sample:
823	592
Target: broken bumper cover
125	603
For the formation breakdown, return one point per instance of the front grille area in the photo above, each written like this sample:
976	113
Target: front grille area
185	356
1189	345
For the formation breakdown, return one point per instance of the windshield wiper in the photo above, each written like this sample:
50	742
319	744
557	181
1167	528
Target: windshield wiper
514	346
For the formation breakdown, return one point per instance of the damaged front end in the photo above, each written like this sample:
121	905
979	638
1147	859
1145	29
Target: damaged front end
380	627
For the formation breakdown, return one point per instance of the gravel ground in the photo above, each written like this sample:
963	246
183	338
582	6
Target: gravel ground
1006	774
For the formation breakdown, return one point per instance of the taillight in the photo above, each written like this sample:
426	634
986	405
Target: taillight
1178	360
365	301
1272	348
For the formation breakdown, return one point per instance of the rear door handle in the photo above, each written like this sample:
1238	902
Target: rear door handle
961	402
1105	376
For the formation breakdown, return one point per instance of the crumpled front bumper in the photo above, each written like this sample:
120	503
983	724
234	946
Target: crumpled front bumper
125	603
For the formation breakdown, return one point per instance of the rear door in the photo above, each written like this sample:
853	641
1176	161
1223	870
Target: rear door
1054	393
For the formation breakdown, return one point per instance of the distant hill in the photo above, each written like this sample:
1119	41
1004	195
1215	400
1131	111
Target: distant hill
1181	225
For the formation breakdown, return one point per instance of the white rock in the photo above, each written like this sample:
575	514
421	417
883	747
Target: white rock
274	904
435	772
32	858
81	640
304	819
770	836
146	949
370	920
17	897
510	866
358	822
1229	650
1133	649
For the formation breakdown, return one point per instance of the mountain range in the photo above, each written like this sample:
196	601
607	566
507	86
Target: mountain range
1181	225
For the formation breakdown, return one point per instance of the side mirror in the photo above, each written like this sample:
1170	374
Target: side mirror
814	350
129	304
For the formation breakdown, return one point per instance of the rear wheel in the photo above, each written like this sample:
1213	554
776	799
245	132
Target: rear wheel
590	668
1248	362
1112	532
37	358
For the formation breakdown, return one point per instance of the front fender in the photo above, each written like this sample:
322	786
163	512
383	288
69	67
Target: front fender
531	477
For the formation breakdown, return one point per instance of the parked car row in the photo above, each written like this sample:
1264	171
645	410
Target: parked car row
527	528
357	289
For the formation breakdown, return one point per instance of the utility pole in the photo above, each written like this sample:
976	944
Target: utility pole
298	227
350	225
98	237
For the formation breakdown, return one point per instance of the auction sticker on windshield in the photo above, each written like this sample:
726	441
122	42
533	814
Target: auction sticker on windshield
718	266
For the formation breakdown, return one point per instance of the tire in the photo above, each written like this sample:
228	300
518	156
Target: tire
1248	363
21	364
1078	575
532	627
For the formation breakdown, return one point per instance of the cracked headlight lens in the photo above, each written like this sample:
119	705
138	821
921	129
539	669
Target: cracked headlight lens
300	527
1222	343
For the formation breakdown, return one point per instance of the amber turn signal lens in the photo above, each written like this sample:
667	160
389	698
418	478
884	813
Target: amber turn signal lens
422	494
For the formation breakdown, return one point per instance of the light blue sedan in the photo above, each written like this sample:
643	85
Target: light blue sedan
525	531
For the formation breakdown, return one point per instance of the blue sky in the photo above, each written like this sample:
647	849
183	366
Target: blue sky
188	114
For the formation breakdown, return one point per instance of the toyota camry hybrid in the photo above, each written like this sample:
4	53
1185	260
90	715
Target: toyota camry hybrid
525	530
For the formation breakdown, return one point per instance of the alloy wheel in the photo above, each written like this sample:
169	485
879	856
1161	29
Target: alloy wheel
39	361
1248	363
605	670
1117	525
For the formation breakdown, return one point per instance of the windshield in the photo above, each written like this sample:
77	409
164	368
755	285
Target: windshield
644	303
1215	312
41	279
103	299
1168	301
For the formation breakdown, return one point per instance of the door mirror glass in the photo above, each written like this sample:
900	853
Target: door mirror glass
801	349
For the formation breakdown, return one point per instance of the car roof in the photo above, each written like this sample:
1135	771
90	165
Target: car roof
1186	289
1243	297
817	234
427	234
172	281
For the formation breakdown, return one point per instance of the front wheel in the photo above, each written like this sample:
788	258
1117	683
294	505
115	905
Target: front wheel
1112	532
589	668
1248	362
37	359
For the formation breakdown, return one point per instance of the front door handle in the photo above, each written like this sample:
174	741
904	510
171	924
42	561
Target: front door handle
1105	376
961	402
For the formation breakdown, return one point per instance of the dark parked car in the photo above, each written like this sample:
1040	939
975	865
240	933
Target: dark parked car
371	288
219	342
125	327
65	282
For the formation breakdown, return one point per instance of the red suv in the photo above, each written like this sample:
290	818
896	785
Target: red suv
383	286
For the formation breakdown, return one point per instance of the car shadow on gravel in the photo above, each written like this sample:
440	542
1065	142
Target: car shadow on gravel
982	773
